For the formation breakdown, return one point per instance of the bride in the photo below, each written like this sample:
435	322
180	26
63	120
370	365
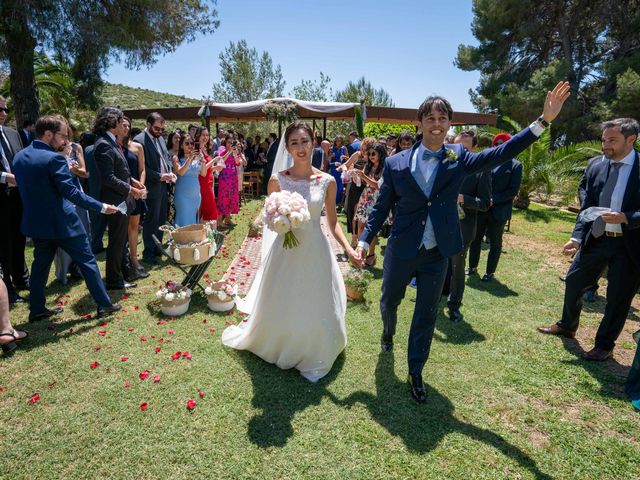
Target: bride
297	302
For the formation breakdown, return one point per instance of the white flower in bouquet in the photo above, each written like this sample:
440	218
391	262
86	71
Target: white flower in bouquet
281	224
296	219
283	212
169	297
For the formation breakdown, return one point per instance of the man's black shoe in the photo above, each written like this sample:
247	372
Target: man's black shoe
455	315
418	392
386	343
121	286
34	317
470	271
15	298
487	277
106	311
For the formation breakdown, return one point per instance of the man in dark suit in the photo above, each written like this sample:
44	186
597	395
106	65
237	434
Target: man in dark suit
505	184
320	158
611	239
271	158
50	218
27	133
116	188
354	143
474	197
158	177
12	241
98	222
423	183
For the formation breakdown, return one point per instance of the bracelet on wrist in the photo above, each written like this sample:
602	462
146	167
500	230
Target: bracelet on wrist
543	122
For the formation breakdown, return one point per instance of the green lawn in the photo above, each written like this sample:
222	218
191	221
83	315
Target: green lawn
504	401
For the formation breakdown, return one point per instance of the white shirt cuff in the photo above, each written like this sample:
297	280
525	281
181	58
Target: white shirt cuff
3	177
104	208
536	128
364	245
576	240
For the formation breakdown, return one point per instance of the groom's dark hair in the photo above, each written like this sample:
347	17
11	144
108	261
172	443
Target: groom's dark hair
441	104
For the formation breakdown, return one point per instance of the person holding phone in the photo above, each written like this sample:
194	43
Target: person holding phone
228	201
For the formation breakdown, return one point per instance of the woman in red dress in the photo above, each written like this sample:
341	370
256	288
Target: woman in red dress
208	209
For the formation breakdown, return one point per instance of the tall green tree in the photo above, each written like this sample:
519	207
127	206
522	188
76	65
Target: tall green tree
528	44
247	75
89	34
313	90
362	89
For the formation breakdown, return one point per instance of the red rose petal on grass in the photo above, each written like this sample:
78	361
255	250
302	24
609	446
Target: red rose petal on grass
34	398
103	324
144	406
187	355
130	329
176	355
97	347
143	338
153	337
87	316
135	307
156	379
126	384
144	375
229	323
94	365
1	390
124	297
201	393
204	321
124	359
124	310
206	275
110	347
212	330
102	333
157	349
161	322
170	332
230	312
191	404
71	330
160	340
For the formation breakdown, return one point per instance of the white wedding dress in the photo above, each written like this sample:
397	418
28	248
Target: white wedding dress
298	302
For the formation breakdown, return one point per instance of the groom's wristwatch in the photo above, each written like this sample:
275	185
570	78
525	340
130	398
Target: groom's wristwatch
542	121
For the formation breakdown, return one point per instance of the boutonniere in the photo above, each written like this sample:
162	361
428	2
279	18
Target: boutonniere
450	157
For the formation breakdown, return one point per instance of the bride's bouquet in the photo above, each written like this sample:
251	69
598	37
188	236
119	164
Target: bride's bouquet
284	212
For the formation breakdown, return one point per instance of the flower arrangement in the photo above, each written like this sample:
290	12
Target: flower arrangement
281	111
356	282
221	296
174	298
284	212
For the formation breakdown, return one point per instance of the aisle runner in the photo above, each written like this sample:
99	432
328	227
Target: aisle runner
245	264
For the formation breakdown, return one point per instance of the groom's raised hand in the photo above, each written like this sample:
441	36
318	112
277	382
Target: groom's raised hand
555	100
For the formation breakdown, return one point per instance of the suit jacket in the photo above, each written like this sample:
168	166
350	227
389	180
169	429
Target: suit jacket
15	145
505	184
582	186
401	189
49	194
271	153
151	163
25	137
596	179
316	158
476	190
113	168
354	147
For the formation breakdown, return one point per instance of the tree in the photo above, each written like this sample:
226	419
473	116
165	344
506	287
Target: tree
363	90
525	44
247	75
312	90
90	33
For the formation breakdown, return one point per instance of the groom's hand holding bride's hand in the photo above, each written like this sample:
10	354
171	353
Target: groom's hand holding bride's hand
357	260
360	254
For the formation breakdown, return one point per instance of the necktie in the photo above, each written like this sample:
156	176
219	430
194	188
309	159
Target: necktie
605	197
7	153
163	167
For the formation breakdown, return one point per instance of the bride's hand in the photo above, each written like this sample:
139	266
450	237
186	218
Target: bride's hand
355	258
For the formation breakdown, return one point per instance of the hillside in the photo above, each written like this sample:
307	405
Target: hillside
126	97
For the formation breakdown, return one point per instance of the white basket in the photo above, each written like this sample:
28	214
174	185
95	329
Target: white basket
175	308
216	305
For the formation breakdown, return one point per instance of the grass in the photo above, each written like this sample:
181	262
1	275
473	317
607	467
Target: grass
504	402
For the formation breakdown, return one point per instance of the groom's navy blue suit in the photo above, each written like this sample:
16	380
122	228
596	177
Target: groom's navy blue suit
417	200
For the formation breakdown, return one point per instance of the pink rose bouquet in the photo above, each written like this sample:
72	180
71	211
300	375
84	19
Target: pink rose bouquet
285	212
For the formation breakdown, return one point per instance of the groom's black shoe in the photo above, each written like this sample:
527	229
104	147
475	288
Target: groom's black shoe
455	315
106	311
418	392
386	343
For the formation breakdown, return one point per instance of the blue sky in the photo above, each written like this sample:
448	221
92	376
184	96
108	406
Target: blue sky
406	47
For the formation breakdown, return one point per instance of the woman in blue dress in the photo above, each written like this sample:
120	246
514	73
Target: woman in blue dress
338	151
187	167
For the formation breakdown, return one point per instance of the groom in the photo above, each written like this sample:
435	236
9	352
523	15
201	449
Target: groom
423	183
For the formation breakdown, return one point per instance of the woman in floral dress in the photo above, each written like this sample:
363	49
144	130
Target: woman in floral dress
228	200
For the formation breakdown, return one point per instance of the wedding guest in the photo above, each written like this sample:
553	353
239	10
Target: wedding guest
49	219
371	178
357	161
192	133
392	142
337	157
26	133
208	207
228	199
8	335
249	155
220	134
405	141
12	241
97	221
118	187
426	227
271	150
505	183
158	177
474	197
173	140
241	162
134	153
188	166
611	240
354	143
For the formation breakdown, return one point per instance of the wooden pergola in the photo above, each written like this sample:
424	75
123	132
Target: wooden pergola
219	114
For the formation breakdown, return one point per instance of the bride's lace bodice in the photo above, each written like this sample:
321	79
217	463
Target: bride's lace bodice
313	191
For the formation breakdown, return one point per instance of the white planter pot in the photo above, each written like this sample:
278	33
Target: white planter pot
175	308
214	304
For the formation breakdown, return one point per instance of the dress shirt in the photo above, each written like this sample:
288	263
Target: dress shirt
618	191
